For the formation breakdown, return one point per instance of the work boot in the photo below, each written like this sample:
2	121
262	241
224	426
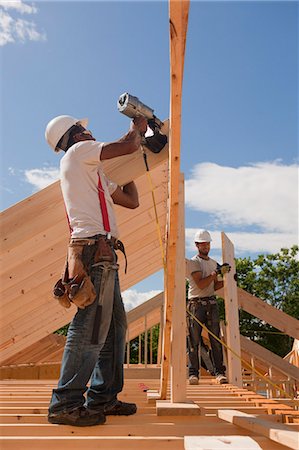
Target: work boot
79	417
120	409
221	378
193	379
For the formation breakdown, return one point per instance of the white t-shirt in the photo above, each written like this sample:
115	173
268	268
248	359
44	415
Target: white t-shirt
206	267
80	169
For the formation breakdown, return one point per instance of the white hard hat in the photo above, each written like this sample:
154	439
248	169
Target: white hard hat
202	236
58	126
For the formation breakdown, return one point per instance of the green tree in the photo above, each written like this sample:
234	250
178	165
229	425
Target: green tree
134	347
274	279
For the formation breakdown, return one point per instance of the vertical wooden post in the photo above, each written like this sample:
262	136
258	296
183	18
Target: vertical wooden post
178	20
145	341
253	376
139	349
159	355
231	314
128	348
178	331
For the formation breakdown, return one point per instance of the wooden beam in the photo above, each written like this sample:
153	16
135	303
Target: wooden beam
270	358
276	432
178	330
178	19
261	309
275	317
231	314
35	236
220	442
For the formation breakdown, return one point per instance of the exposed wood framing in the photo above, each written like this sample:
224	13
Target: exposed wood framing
269	358
259	308
231	314
178	19
24	424
178	334
34	240
293	355
277	432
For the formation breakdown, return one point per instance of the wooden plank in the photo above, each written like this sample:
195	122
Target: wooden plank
277	432
220	443
272	360
110	443
178	28
234	372
178	329
261	309
27	298
170	408
146	307
275	317
92	443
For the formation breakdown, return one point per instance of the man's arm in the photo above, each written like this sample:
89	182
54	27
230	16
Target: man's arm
126	196
218	284
201	282
129	143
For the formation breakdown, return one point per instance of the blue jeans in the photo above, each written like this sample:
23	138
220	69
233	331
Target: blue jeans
208	314
82	361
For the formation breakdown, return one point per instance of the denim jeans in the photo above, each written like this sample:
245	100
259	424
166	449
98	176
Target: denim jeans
208	314
82	361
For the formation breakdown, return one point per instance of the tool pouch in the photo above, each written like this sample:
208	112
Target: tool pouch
104	251
60	294
75	285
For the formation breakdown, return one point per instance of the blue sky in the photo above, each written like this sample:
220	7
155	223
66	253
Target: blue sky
239	149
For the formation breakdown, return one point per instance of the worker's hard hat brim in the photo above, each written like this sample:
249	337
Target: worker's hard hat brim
83	122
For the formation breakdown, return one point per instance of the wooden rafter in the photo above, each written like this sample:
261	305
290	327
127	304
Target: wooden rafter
178	20
34	240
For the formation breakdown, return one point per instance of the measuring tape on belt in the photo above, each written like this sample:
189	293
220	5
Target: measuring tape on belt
236	354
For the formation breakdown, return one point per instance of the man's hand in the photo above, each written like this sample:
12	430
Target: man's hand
223	269
139	123
129	143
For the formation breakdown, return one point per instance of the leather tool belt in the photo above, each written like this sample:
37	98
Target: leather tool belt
75	285
204	300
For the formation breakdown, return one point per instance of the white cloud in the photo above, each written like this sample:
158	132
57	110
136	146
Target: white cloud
15	29
133	298
264	195
19	6
41	178
246	242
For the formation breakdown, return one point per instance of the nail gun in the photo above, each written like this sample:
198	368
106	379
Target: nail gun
132	107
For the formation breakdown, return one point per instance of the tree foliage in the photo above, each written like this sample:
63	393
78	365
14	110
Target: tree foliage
274	279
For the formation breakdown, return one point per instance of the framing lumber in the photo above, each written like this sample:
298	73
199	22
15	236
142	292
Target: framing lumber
220	443
270	358
277	432
178	20
231	314
261	309
275	317
35	236
178	329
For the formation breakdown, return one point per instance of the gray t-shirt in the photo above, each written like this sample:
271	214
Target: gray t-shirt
206	266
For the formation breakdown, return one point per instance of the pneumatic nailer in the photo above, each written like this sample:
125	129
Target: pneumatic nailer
133	107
